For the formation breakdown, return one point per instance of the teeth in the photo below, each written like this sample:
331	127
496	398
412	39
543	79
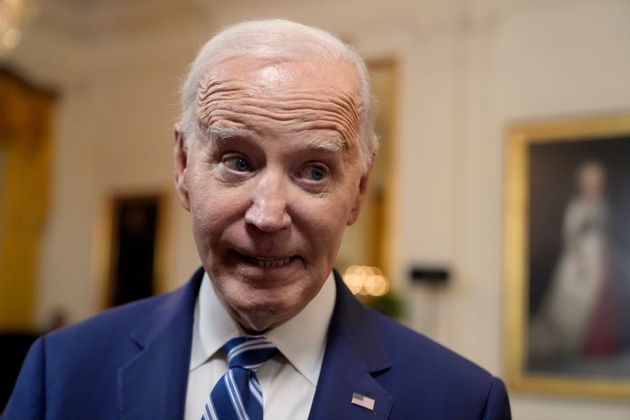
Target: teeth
271	262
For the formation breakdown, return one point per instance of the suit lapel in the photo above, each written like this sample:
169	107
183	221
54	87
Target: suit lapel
153	384
353	355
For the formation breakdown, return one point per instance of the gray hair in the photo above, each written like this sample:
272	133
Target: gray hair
278	40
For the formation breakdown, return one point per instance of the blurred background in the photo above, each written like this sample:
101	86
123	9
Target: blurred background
89	95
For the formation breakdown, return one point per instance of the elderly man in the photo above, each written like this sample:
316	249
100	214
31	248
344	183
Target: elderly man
272	158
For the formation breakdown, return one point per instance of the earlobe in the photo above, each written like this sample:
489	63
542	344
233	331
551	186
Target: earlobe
180	163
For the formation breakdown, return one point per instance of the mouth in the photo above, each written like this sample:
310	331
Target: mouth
266	262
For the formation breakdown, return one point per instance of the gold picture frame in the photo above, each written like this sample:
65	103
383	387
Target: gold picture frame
567	262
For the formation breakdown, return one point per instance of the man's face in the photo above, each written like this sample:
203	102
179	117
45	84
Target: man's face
273	183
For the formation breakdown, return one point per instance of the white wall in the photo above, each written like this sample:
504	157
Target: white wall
467	70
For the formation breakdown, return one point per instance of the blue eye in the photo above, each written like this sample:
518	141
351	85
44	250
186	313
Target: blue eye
314	173
237	164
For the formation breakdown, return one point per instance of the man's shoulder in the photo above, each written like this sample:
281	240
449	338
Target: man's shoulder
103	338
120	324
425	374
423	378
117	320
79	367
419	356
407	352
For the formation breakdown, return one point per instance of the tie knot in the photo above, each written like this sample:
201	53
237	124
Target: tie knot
249	352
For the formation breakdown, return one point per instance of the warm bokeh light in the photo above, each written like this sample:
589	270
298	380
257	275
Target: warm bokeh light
12	12
366	280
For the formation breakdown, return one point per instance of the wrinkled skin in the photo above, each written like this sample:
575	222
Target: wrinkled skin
271	179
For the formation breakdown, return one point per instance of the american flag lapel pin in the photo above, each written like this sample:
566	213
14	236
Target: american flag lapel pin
363	401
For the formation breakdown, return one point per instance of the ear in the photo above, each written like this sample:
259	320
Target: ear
360	197
179	167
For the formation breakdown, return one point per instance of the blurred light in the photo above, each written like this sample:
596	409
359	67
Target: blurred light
366	280
12	13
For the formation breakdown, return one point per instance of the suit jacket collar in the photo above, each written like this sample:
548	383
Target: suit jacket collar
354	354
153	383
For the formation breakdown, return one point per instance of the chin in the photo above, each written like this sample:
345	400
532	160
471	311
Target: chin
260	318
261	309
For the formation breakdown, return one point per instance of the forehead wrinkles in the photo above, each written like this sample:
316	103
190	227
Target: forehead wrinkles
298	109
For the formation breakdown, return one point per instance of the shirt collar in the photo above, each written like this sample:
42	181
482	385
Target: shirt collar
301	339
212	326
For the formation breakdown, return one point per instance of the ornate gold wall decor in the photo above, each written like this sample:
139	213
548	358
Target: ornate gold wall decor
25	141
567	263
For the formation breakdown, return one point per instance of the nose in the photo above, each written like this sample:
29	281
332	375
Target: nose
268	211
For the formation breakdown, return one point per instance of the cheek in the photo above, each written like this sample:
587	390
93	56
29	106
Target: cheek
213	210
325	221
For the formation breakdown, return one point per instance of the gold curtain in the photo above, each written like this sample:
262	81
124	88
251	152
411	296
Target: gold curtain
25	141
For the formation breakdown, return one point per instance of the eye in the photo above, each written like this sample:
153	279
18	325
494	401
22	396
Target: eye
237	163
313	172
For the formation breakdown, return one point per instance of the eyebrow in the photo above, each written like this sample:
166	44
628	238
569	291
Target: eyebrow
223	134
330	144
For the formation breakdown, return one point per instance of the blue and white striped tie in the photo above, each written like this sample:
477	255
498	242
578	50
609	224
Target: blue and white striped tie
238	395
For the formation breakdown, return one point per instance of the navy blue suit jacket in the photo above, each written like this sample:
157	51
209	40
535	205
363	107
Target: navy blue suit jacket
132	363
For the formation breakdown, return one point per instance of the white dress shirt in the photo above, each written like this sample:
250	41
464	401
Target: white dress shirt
288	380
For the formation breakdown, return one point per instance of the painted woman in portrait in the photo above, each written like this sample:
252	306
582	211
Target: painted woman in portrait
576	315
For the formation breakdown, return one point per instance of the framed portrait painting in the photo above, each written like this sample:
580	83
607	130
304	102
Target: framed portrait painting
567	264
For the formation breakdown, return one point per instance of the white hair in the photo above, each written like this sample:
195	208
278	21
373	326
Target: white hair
278	40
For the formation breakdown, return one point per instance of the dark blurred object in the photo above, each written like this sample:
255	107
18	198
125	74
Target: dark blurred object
57	319
133	248
13	349
430	275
